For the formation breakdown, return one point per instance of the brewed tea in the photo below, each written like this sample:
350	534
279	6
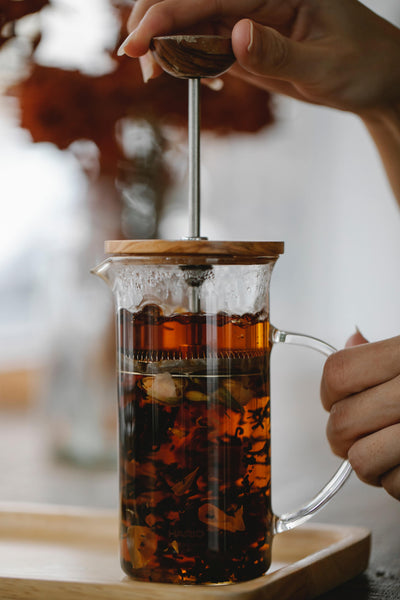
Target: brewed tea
195	446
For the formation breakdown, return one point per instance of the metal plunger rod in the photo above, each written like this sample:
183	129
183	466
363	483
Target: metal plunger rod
193	57
194	175
194	158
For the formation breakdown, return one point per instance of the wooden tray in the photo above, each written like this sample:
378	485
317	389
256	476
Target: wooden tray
66	553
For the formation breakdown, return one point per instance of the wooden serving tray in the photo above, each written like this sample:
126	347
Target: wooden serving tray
66	553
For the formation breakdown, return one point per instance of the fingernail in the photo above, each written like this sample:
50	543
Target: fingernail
121	49
251	36
360	333
147	65
214	84
354	340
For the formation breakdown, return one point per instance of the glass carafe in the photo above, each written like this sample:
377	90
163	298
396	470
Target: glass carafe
193	342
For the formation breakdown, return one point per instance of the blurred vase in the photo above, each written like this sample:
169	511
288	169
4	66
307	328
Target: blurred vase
79	390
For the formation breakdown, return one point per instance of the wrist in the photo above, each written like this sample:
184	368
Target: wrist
382	118
383	125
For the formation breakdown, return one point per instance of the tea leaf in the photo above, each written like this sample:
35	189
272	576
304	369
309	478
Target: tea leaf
142	545
183	486
216	518
226	398
195	396
239	392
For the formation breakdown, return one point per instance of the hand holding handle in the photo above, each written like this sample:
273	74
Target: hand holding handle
293	519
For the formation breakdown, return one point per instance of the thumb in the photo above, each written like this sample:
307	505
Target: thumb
264	51
356	339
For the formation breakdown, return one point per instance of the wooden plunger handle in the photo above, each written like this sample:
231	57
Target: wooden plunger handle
193	56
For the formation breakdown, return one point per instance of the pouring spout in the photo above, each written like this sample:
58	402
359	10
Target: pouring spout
103	270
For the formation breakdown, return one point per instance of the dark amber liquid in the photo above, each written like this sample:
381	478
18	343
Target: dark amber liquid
195	446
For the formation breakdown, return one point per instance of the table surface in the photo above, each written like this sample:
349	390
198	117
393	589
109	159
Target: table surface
28	473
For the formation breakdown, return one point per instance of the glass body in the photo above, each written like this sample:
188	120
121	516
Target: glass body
193	345
194	422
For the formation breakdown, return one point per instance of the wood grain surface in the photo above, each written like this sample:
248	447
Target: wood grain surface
54	552
194	247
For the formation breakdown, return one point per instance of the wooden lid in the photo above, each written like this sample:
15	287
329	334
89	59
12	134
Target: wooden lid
193	247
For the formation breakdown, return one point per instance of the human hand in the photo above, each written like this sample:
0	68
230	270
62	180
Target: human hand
361	388
336	53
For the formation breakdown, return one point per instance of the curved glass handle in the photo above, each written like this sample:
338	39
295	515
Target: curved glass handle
291	520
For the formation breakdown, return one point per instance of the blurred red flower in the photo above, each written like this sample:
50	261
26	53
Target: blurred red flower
61	106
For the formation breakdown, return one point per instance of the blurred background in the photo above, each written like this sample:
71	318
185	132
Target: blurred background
87	153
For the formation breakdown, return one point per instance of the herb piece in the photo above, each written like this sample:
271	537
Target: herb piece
183	486
142	544
226	398
218	519
195	396
239	392
162	388
258	416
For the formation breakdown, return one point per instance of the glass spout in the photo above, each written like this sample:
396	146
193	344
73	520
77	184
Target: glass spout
103	270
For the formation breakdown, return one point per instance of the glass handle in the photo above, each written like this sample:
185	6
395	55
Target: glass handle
305	512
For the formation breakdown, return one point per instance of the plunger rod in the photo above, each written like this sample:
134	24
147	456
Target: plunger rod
194	157
193	57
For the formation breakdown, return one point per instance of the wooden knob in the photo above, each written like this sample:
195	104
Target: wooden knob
192	56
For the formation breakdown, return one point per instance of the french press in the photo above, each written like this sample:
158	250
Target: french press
194	339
